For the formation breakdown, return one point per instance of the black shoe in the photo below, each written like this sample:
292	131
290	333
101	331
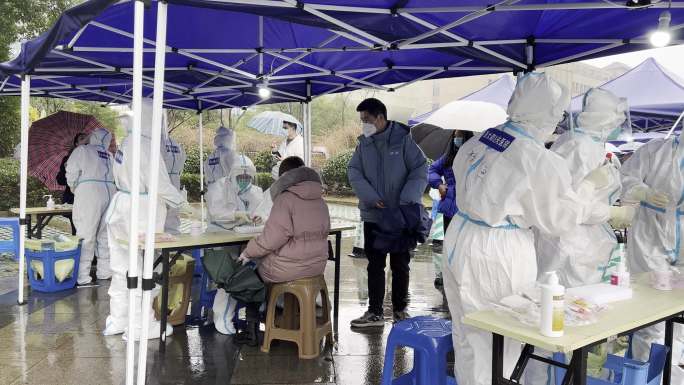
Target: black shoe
368	319
439	283
249	336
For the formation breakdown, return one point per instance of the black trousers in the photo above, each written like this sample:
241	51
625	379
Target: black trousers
399	263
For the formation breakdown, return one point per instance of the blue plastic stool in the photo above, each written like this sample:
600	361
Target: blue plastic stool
431	341
12	245
48	256
626	371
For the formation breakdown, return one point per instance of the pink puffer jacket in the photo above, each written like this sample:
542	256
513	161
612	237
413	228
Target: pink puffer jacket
294	243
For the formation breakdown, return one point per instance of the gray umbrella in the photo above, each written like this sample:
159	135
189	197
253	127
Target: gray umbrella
433	140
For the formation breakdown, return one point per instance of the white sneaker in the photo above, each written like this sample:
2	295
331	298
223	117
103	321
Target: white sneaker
111	329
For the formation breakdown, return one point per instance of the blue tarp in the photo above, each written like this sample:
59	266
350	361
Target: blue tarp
498	92
655	96
316	47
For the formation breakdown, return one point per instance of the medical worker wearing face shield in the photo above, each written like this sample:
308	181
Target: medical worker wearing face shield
653	177
220	162
581	255
118	222
232	201
507	183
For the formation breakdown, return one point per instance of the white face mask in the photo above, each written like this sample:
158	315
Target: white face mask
368	129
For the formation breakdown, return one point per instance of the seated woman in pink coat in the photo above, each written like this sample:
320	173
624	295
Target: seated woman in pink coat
294	243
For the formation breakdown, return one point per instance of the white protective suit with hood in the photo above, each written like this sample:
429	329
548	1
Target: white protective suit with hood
508	183
228	205
231	202
220	162
655	239
90	176
174	158
581	256
118	221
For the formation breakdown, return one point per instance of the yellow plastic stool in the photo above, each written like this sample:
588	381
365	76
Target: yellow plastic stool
306	330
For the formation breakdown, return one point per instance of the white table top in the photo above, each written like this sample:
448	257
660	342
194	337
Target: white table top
42	210
646	306
188	241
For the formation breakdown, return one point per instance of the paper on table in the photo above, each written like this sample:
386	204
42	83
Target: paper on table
248	229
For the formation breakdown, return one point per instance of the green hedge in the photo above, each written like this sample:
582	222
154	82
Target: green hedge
192	164
264	161
192	184
334	174
9	187
264	180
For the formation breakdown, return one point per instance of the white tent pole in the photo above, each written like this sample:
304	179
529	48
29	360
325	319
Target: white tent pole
133	279
25	106
153	188
201	144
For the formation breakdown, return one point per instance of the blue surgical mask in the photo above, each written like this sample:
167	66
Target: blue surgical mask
243	185
243	182
458	141
614	134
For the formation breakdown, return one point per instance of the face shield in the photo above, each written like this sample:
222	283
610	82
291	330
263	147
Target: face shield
623	131
244	182
604	116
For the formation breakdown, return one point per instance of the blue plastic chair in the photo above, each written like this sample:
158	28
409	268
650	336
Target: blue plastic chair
11	245
626	371
431	341
48	256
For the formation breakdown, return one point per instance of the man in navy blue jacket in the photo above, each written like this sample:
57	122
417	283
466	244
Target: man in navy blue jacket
388	169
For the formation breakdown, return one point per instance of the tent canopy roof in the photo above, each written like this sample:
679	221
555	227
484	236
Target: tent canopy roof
219	51
655	95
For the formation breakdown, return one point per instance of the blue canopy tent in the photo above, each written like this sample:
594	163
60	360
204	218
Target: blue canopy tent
655	96
213	54
498	92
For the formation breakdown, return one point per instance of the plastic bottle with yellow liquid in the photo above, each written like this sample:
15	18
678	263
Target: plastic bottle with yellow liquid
552	321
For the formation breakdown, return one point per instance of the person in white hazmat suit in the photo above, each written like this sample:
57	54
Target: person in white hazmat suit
581	256
507	184
293	145
118	222
220	162
232	201
654	177
90	176
174	158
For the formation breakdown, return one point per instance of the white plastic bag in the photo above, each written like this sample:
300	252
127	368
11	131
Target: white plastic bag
224	310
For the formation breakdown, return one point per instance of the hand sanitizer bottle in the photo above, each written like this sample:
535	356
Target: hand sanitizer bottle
552	307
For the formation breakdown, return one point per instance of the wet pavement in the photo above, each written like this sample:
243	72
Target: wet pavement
57	339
